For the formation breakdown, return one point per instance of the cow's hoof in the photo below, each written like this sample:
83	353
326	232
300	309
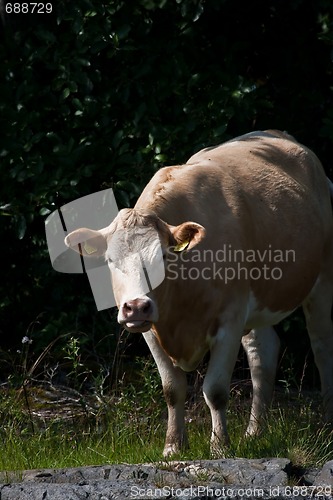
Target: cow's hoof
253	432
171	450
220	448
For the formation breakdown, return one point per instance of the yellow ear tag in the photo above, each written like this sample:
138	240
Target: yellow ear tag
89	249
181	246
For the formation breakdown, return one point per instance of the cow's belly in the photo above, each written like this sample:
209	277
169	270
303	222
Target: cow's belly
260	317
186	341
265	317
190	364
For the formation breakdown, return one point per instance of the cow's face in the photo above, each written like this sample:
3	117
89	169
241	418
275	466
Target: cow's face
135	246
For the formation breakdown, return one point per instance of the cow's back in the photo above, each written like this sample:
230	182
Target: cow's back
258	174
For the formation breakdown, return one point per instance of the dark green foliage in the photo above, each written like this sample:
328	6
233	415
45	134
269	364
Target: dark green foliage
101	94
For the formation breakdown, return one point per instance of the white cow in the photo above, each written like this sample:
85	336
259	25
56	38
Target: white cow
246	234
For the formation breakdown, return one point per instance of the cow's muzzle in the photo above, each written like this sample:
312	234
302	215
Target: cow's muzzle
137	315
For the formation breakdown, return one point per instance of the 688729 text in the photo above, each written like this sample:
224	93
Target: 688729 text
28	8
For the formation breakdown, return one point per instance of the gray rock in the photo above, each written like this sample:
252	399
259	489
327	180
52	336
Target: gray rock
263	472
196	480
310	475
326	475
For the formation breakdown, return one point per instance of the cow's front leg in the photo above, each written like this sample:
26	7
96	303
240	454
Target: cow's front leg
224	351
174	385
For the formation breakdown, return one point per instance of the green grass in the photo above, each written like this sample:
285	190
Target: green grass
44	425
55	450
62	448
293	430
130	428
50	426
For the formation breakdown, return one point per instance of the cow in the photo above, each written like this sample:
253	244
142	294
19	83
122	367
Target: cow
246	235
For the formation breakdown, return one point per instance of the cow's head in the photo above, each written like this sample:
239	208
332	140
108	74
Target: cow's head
135	246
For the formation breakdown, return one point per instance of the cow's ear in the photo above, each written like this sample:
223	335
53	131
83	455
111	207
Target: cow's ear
87	242
187	235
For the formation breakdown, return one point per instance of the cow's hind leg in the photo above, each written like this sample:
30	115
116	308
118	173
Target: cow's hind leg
174	385
262	349
317	310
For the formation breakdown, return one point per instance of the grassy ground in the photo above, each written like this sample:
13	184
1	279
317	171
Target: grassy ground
44	426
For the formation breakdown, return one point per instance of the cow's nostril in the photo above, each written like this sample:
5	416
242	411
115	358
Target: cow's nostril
146	308
138	309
